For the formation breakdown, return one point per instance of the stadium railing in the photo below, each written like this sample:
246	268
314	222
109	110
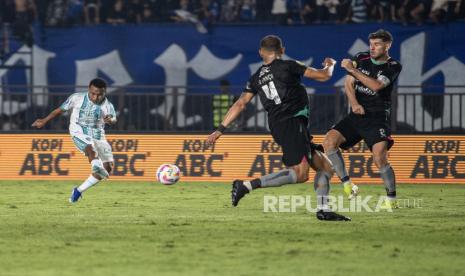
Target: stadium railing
146	109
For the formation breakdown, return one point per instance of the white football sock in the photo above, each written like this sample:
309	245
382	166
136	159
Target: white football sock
91	181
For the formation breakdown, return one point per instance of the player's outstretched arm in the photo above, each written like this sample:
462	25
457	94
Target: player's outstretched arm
231	115
374	84
349	83
39	123
323	74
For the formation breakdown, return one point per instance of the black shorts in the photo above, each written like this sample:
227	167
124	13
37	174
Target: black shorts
371	128
295	140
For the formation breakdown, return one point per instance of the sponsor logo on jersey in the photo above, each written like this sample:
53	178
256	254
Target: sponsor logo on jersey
364	90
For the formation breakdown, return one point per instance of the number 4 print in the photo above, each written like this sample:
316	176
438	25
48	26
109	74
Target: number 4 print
271	92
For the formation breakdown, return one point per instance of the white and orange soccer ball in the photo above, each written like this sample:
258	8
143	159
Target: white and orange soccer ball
168	174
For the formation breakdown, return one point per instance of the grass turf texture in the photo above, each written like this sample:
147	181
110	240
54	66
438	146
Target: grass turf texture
138	228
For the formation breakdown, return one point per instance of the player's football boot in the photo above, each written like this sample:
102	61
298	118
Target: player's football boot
350	189
389	204
331	216
100	171
75	195
238	191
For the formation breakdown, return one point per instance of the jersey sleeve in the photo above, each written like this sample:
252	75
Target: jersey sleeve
360	56
109	110
249	88
297	67
390	74
69	103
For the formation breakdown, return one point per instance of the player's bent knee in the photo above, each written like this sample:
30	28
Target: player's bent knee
97	176
302	178
90	153
301	172
380	161
108	166
330	142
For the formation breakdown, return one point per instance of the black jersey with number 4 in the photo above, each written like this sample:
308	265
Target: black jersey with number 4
279	87
387	72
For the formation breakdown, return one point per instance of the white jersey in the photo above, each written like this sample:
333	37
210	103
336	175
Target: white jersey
87	117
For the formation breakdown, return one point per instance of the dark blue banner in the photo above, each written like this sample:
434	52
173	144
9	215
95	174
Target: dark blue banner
179	55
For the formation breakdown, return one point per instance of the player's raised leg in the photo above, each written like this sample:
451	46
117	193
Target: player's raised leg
295	143
292	175
332	141
99	170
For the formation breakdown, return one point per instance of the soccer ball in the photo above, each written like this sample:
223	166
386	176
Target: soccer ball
168	174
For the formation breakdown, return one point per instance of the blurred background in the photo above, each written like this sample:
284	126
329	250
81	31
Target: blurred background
178	65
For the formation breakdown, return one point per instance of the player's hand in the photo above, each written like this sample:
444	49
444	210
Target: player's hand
329	62
109	120
39	123
358	109
347	64
211	139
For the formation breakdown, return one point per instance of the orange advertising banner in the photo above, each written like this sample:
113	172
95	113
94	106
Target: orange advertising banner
415	159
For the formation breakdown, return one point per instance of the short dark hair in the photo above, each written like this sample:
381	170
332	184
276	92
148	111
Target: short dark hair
381	34
271	43
99	83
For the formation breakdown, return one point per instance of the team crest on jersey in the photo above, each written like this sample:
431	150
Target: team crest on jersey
382	133
263	71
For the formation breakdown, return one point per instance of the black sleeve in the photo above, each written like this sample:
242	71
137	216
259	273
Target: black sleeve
297	67
249	88
359	56
392	71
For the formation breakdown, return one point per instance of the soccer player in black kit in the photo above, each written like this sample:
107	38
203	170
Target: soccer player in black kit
277	83
368	86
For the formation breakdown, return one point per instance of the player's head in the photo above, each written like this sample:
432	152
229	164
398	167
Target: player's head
97	90
271	47
380	42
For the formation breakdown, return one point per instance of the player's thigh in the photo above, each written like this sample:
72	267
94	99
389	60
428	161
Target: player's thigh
333	139
377	131
294	140
104	151
380	153
82	141
301	170
348	128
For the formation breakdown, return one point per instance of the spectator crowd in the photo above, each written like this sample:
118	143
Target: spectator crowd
62	13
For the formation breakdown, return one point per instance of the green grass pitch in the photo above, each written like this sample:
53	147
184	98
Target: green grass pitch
122	228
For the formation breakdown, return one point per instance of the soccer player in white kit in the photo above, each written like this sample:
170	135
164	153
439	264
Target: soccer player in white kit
90	111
